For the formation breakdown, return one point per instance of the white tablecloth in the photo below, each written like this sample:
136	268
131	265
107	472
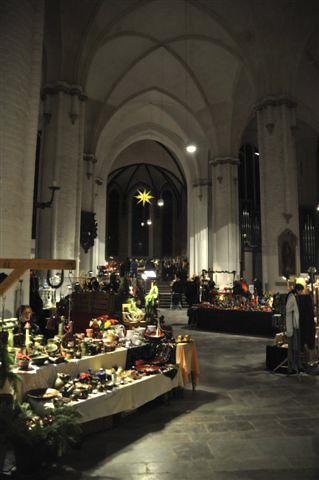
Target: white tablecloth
41	377
127	397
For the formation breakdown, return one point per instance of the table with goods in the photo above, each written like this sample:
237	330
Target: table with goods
232	314
107	370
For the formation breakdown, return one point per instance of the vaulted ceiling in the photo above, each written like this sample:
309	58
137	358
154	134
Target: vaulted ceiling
180	70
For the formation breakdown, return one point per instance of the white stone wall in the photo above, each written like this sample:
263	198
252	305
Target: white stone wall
198	227
21	38
59	226
225	217
278	179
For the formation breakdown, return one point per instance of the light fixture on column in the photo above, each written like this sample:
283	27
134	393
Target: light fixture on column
160	202
191	148
257	153
317	208
149	222
54	188
142	224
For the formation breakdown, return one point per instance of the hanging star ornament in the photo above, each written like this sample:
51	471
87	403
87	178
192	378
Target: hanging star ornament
144	197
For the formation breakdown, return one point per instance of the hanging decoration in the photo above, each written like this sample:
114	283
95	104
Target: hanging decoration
144	197
88	230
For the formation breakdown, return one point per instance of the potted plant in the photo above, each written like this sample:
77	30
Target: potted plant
8	389
40	440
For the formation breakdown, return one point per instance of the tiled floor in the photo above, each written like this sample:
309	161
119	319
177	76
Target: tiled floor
242	423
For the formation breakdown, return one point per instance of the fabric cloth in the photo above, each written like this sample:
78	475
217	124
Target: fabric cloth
306	321
42	377
187	359
292	314
127	397
294	356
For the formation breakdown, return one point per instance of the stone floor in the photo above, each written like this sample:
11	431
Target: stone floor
242	423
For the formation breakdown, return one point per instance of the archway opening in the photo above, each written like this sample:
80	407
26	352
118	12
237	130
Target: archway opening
156	229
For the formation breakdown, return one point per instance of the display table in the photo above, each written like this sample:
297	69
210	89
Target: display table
41	377
232	321
187	359
127	397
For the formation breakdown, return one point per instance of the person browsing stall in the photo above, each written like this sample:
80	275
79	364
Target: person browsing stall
293	329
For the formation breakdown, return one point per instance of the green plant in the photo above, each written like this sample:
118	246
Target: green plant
57	430
6	368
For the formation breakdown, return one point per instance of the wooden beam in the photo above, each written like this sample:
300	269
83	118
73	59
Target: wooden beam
11	279
21	265
37	264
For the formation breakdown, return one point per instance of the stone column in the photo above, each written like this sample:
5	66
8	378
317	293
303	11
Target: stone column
225	218
278	188
21	39
88	205
98	253
62	164
198	227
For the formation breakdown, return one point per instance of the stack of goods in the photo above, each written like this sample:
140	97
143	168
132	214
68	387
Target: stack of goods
228	301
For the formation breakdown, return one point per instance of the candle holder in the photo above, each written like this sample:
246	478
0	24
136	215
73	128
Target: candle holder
48	204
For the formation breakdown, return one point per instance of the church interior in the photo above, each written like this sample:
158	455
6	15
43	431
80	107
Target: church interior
159	238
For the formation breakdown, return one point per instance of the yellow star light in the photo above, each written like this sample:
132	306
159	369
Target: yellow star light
144	197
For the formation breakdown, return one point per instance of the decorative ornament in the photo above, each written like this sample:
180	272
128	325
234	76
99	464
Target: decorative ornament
88	230
144	197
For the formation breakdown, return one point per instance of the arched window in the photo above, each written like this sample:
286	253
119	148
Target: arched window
167	224
249	208
113	212
140	229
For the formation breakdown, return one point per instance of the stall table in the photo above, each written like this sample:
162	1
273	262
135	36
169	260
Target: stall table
42	377
127	397
232	321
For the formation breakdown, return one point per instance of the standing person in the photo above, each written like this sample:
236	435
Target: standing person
25	316
134	268
293	329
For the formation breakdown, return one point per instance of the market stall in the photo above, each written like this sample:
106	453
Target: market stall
232	321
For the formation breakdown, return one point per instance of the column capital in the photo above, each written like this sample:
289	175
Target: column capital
224	161
54	89
275	101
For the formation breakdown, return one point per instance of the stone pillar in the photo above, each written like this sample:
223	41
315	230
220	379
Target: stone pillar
21	39
88	205
278	189
198	227
62	163
225	218
98	253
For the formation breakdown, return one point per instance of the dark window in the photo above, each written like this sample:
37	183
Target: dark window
113	212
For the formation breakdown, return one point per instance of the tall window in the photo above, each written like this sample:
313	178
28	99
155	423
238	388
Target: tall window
167	224
113	212
140	229
249	206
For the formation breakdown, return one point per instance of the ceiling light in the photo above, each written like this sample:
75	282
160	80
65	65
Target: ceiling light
149	222
142	224
160	202
191	148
